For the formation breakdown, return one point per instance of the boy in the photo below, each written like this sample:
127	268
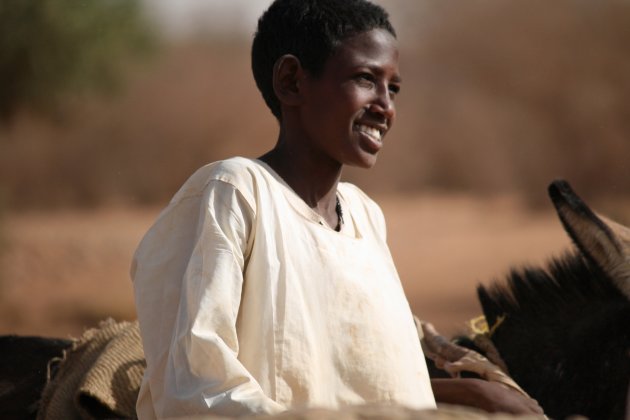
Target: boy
267	284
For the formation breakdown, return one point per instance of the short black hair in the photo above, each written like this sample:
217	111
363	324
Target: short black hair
309	30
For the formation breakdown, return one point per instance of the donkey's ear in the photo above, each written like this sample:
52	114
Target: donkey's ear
603	241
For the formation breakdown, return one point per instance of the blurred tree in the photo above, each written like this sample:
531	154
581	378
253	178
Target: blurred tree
49	47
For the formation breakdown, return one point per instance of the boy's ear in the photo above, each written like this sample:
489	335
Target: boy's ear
287	73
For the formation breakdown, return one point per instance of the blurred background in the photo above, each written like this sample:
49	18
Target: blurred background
107	106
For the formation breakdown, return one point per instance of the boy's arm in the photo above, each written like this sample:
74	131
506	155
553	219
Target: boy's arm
188	280
496	393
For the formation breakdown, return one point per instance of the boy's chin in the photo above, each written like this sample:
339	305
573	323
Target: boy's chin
364	162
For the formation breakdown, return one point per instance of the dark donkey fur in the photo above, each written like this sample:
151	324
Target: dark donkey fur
564	331
24	369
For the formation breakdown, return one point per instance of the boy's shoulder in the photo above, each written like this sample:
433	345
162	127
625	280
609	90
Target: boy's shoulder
356	195
229	170
238	172
365	210
360	201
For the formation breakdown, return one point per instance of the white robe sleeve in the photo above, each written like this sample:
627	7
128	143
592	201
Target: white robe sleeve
188	278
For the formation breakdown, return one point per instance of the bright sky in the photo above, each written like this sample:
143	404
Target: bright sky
181	18
186	17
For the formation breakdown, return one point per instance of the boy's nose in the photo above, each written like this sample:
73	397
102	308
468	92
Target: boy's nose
384	105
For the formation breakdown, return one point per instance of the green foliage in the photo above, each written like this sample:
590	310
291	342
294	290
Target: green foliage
49	47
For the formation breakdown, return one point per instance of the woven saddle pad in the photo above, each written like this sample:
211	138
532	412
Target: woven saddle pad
99	376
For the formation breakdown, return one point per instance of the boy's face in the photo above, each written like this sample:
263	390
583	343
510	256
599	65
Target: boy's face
348	109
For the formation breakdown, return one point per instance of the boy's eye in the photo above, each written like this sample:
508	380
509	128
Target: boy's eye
365	79
394	89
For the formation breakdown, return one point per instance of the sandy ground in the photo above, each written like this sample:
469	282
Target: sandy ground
65	271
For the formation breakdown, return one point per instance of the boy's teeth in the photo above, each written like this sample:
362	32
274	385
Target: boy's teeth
372	132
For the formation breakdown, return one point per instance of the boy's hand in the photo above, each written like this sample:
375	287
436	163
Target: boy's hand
496	392
485	395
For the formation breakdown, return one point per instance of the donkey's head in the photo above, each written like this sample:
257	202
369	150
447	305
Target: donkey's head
564	331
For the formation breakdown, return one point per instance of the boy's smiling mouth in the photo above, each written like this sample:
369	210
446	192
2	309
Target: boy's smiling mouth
371	137
372	132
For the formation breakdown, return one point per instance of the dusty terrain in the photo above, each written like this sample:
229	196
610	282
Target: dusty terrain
65	271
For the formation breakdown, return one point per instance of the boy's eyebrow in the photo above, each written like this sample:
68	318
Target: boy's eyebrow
378	70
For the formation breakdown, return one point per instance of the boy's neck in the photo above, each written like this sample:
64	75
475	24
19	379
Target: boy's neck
314	180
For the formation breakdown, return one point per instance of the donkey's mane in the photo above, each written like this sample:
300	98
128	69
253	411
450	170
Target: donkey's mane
566	280
562	332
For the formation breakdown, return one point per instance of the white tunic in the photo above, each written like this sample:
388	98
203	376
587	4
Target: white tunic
249	303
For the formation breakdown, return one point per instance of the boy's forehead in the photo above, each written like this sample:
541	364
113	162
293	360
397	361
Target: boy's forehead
368	44
369	48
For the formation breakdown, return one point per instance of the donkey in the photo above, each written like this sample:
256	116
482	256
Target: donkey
563	331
